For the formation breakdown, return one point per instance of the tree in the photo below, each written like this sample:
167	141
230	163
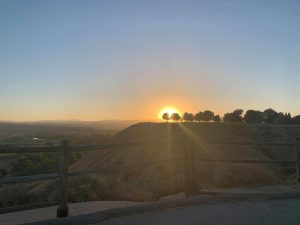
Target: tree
166	116
296	119
234	117
188	117
199	116
270	115
208	115
34	163
253	116
175	117
217	119
284	118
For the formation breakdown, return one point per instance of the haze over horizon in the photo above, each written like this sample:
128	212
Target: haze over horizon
102	60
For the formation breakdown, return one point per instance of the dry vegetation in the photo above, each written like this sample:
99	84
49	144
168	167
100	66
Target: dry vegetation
165	141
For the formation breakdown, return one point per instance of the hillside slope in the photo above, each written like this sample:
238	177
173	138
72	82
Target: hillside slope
159	141
162	141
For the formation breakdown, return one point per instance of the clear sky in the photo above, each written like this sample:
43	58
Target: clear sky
95	60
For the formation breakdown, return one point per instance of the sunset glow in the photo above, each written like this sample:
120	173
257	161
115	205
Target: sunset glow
128	60
169	110
178	96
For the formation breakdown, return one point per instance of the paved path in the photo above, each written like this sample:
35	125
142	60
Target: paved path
29	216
274	212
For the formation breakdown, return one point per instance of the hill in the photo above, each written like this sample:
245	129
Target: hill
158	141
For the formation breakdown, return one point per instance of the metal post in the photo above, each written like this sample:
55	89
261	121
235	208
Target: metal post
187	177
194	186
62	210
298	159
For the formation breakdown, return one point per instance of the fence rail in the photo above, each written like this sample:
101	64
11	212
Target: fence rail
189	161
251	161
27	206
250	143
7	149
33	149
31	178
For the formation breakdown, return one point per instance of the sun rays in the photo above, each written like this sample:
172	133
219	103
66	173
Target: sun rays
168	109
196	138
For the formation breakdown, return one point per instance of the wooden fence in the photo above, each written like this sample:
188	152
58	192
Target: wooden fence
189	164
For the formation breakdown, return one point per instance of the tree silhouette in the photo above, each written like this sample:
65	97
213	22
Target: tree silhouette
234	117
253	116
188	117
175	117
217	119
208	115
166	116
199	116
296	119
270	115
284	118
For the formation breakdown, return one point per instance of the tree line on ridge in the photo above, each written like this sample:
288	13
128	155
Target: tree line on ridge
251	116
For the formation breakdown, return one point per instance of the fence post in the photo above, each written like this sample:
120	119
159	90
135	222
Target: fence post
192	159
62	210
298	158
187	177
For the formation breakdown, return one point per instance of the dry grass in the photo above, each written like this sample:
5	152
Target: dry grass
164	141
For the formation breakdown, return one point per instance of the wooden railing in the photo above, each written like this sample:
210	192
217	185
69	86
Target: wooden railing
189	161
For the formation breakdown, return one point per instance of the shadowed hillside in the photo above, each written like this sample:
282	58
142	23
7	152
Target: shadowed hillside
162	141
158	141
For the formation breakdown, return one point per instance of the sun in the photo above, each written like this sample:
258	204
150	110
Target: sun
168	109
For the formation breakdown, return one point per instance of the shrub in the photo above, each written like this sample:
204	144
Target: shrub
18	194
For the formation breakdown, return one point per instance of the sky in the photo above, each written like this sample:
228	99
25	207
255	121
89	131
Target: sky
98	60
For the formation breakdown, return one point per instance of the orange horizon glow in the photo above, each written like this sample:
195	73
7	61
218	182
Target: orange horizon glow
168	109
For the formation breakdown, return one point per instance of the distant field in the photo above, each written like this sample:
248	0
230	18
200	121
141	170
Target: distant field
84	128
50	133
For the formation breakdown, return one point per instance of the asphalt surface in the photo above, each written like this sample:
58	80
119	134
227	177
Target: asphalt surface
261	205
273	212
33	215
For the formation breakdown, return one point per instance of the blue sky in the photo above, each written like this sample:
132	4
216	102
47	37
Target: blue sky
95	60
